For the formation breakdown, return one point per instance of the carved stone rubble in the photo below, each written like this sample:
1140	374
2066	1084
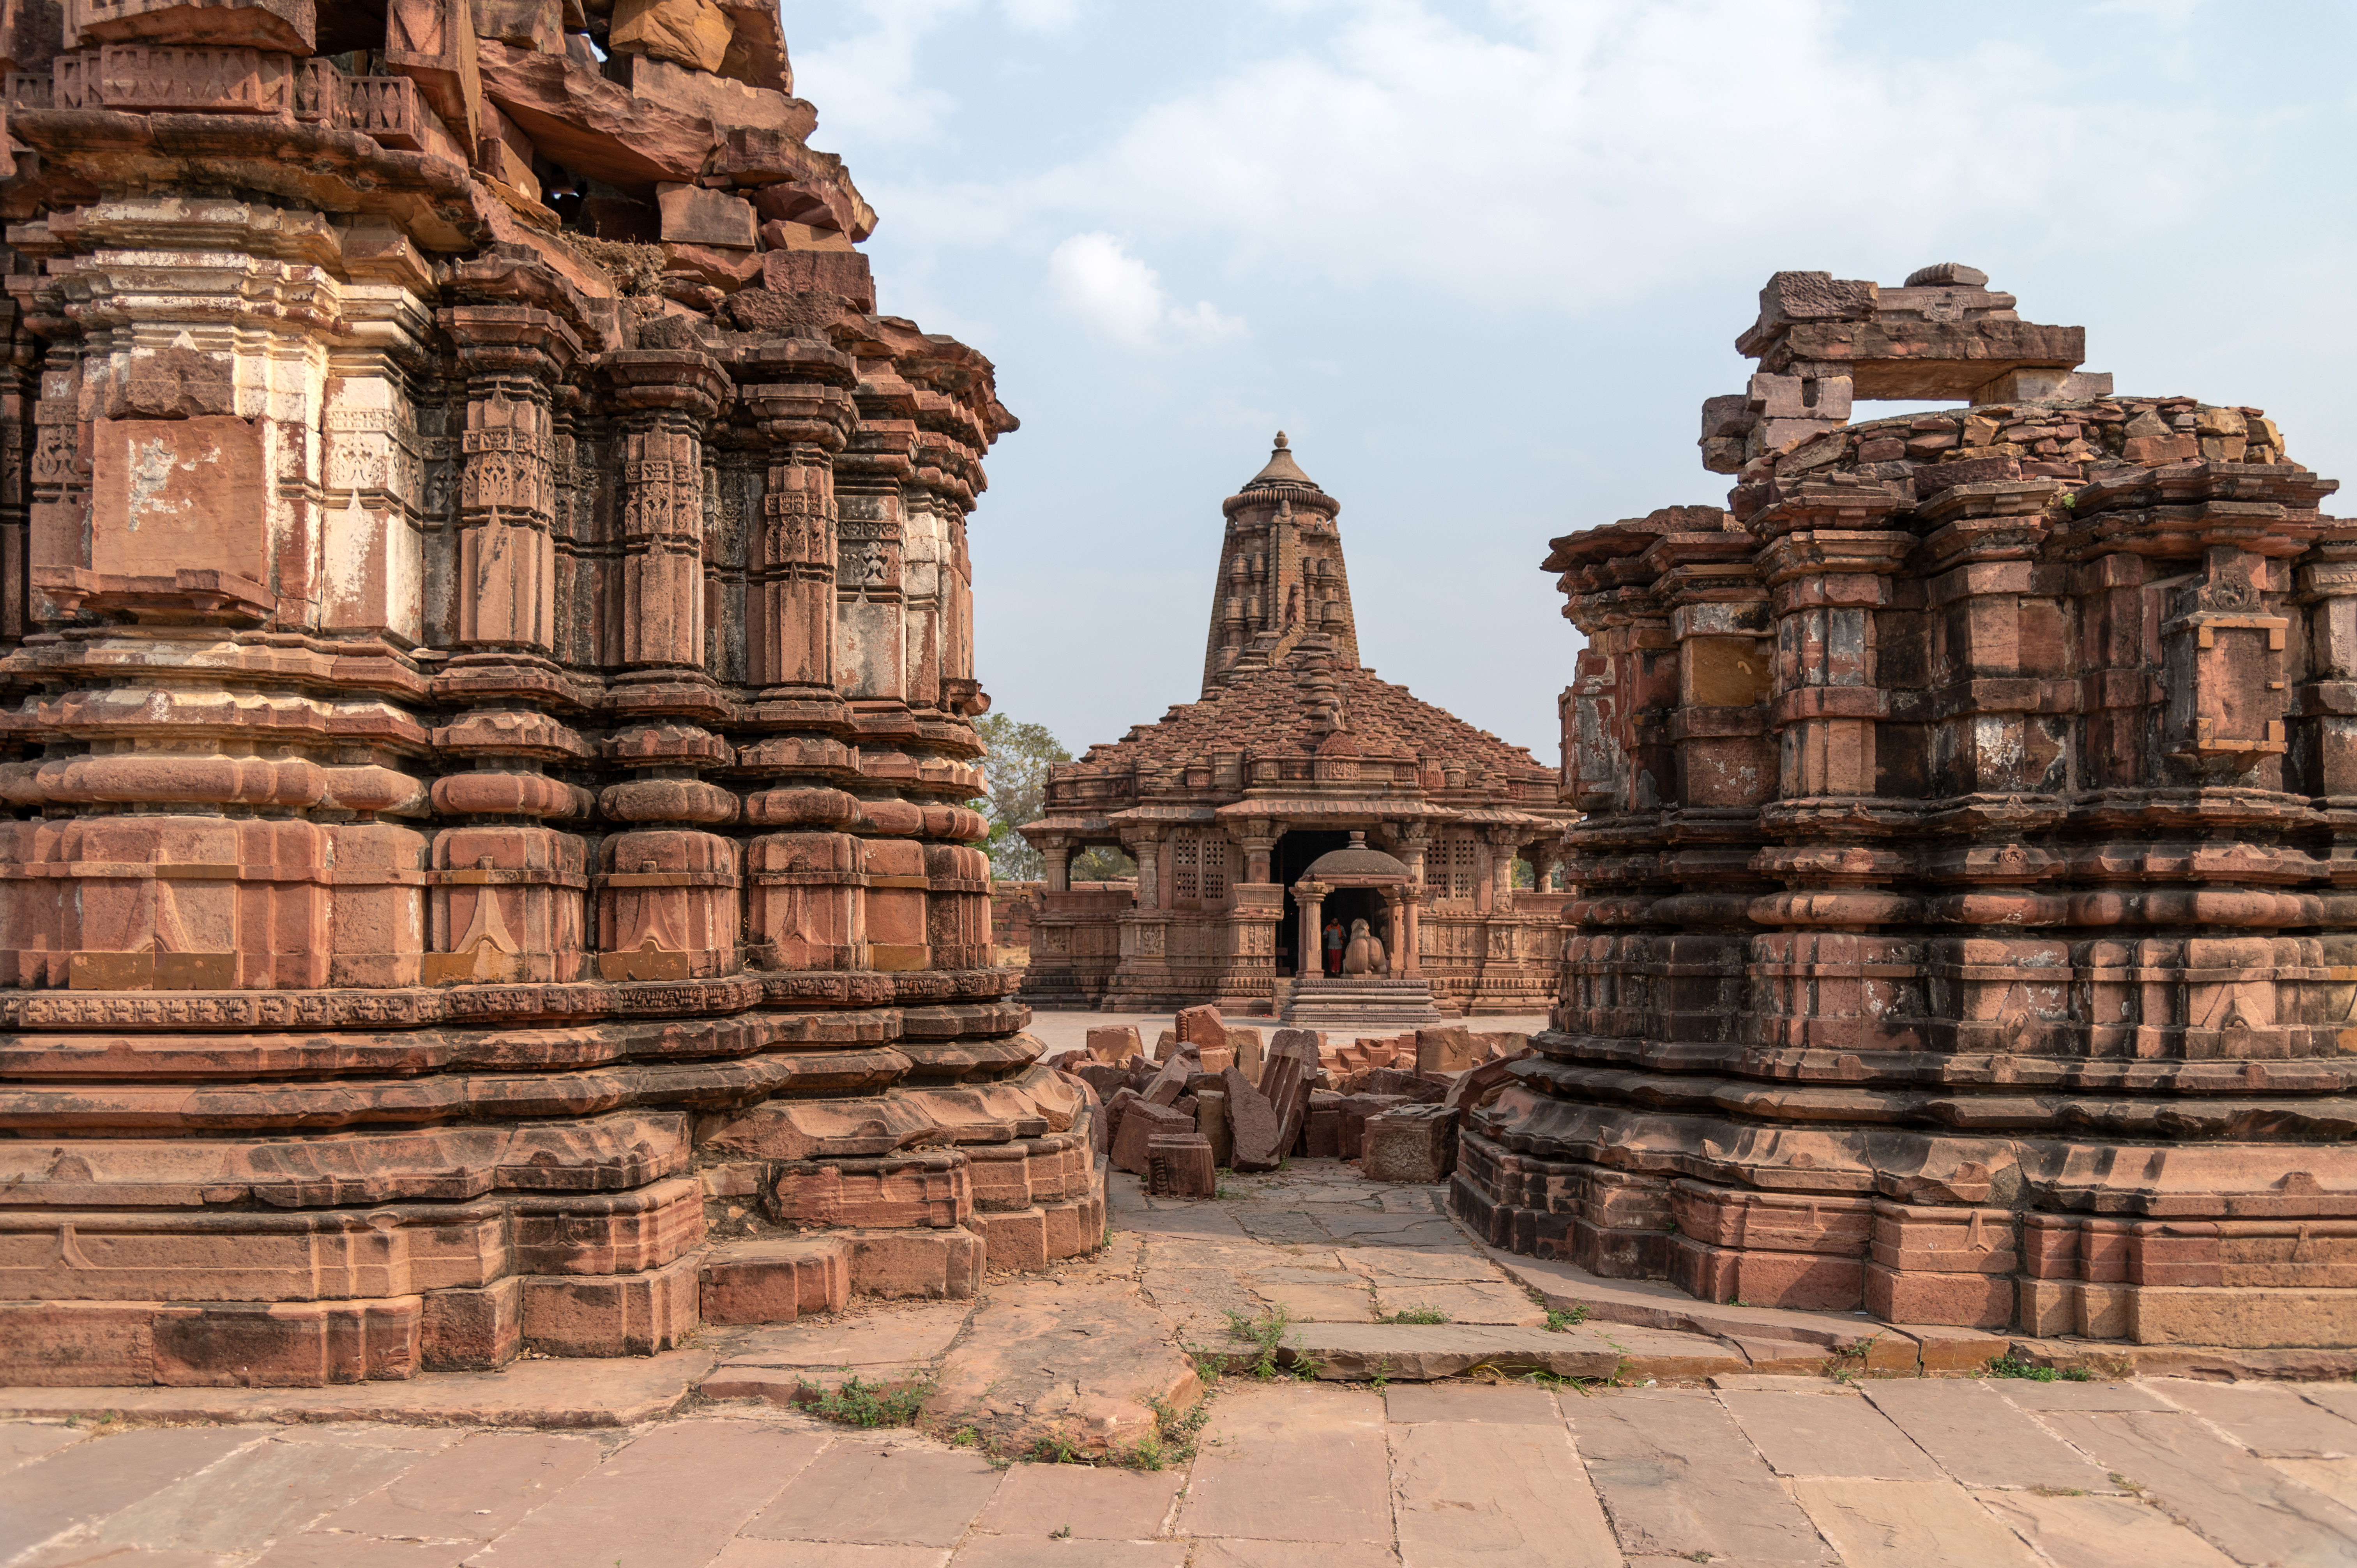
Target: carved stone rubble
1963	928
489	701
1248	812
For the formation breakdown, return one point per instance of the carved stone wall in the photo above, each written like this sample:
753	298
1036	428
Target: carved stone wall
1960	930
489	708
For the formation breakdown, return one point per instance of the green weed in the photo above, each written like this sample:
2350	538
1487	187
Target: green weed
1557	1321
2012	1367
1265	1334
1418	1314
861	1403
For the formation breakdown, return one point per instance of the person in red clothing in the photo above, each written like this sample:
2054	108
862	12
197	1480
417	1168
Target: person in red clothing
1333	945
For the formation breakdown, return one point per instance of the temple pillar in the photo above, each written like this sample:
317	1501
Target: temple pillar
1257	848
1311	899
806	415
1395	929
1058	852
1146	848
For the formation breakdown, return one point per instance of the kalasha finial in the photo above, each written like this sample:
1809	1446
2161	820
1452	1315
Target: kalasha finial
1280	441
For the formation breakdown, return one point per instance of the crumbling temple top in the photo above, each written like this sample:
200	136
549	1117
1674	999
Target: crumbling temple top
1961	927
1226	800
487	634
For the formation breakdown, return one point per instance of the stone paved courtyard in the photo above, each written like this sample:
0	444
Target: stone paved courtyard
1738	1469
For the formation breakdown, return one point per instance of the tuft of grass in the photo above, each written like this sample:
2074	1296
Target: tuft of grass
1265	1334
1063	1535
1418	1314
1557	1321
1176	1432
1057	1450
1382	1378
2009	1366
858	1402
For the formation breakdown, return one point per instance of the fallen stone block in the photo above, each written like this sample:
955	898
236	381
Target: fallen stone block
1106	1127
1253	1126
1250	1055
1115	1045
1476	1088
1201	1027
1322	1134
1168	1084
1179	1164
1449	1049
1414	1143
1356	1109
1212	1120
1142	1121
775	1281
1413	1086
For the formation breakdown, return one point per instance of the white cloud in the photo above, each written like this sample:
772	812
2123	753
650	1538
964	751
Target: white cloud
1565	155
1043	16
1097	279
866	85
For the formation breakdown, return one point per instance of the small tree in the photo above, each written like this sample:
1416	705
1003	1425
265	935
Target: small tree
1103	862
1015	769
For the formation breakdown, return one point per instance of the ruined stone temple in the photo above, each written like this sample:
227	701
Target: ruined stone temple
487	664
1295	789
1962	926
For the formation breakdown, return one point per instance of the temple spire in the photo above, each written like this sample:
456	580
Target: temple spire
1280	576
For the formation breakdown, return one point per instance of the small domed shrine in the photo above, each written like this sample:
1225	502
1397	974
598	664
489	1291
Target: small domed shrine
1299	791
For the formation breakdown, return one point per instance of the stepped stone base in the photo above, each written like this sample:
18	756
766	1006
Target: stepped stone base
1359	1001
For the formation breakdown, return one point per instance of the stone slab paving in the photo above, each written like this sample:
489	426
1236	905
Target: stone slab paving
1904	1473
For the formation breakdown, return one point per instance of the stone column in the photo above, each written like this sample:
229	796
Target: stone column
1395	923
806	414
663	399
506	896
1311	899
1145	846
1410	965
871	599
1257	848
1058	852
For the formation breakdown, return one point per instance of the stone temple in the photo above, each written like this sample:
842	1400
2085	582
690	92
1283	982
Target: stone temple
487	664
1296	789
1962	927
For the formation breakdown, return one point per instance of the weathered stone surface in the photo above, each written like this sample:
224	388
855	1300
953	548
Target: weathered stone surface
2100	1531
695	216
775	1281
1141	1122
1902	1524
1264	1455
1410	1144
1680	1478
2242	1504
1081	1362
1831	1434
1470	1492
876	1494
639	1497
1115	1045
1093	1503
1179	1164
695	33
1979	1439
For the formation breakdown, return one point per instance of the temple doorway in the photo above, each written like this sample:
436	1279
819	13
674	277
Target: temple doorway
1286	861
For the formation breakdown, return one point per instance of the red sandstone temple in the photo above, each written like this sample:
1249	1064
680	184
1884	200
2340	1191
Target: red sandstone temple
1298	789
1962	929
490	686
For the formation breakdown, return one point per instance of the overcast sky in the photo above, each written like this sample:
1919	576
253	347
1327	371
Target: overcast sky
1483	261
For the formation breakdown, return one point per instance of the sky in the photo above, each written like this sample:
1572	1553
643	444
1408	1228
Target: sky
1483	263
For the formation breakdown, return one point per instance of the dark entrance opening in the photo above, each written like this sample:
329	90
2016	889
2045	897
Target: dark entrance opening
1286	861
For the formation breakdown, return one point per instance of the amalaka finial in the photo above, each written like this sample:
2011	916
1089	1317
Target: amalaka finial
1281	442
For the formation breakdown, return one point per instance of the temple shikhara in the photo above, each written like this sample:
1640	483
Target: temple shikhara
1961	929
487	654
1296	792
